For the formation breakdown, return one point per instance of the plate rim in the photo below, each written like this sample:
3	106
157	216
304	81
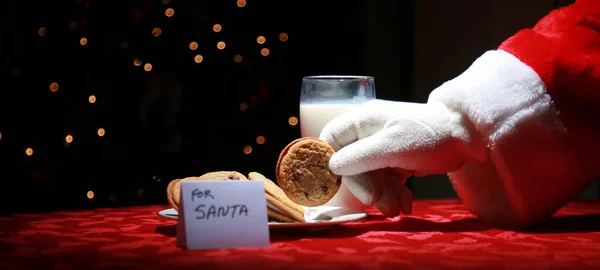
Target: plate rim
363	216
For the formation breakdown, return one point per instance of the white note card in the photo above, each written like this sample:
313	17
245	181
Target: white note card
223	214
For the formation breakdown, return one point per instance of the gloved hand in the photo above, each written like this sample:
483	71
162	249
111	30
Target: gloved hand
381	143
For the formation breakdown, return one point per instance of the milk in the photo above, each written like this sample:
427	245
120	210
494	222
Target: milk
313	117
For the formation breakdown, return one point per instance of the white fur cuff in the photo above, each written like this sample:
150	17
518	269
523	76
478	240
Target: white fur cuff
532	170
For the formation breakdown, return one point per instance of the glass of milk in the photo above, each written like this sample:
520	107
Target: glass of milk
325	97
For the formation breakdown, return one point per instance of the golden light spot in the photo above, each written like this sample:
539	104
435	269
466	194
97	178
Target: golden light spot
137	62
217	28
247	149
90	194
156	31
124	45
166	2
283	37
193	45
42	31
198	58
169	12
0	135
265	51
260	139
237	58
92	99
221	45
243	106
101	132
148	67
69	139
261	40
241	3
72	25
54	87
29	151
83	41
141	193
293	121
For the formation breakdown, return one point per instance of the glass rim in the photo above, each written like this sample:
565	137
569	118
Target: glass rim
337	77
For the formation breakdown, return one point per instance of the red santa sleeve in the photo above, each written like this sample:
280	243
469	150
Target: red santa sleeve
535	101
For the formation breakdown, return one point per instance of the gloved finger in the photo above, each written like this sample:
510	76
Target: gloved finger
406	200
365	187
388	204
395	180
378	188
354	125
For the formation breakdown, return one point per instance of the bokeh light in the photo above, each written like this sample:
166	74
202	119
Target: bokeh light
156	31
293	121
101	132
265	52
243	106
54	86
283	37
237	58
42	31
169	12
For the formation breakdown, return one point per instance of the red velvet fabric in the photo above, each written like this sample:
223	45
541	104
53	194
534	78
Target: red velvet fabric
440	234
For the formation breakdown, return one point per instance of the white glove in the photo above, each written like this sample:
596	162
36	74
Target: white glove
379	144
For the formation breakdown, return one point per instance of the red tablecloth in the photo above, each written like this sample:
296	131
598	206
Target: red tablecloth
440	234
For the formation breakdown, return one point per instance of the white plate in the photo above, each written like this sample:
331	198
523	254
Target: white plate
315	217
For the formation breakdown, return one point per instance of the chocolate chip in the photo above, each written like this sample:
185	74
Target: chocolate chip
324	189
234	177
306	194
339	181
296	175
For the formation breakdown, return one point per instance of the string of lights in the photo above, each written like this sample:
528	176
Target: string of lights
198	54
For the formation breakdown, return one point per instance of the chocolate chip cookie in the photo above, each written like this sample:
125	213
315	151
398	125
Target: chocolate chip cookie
303	172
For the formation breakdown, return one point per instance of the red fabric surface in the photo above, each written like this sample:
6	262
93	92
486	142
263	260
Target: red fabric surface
439	234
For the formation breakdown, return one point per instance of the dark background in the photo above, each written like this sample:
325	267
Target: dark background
184	118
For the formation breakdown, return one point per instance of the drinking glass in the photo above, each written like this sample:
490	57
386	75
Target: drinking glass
322	99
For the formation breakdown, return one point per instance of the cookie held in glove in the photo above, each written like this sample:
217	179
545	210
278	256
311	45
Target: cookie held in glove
303	172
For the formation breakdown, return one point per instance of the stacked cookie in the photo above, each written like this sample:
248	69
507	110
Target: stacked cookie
279	207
